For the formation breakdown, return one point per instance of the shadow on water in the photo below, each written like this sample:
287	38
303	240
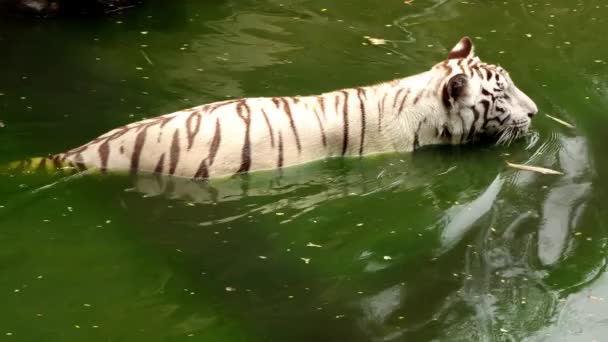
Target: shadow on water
466	252
509	243
342	282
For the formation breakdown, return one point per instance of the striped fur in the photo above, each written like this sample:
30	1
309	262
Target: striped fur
452	103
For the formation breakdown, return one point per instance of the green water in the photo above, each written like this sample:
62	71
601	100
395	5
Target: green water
445	244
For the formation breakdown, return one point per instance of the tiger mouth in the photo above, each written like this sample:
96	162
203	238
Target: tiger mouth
511	133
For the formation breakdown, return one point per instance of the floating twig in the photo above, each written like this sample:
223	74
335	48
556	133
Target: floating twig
452	168
560	121
119	9
538	169
143	53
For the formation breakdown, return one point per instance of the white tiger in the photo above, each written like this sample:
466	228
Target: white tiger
454	102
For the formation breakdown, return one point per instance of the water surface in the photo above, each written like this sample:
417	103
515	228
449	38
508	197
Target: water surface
442	244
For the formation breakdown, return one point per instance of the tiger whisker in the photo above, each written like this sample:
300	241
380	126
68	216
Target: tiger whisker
505	136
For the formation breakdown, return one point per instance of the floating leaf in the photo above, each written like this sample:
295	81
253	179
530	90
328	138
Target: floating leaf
538	169
376	41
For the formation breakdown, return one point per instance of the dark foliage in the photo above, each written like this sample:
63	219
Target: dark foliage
50	8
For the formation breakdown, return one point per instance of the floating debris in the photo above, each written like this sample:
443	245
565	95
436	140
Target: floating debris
230	289
538	169
118	9
310	244
596	298
146	57
2	125
306	260
560	121
386	257
450	169
375	41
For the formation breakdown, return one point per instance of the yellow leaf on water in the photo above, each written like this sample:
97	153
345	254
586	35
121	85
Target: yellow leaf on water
560	121
538	169
376	41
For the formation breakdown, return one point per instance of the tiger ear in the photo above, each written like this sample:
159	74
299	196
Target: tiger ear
464	49
454	89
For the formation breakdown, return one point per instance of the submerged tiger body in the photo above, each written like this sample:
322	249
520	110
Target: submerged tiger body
456	101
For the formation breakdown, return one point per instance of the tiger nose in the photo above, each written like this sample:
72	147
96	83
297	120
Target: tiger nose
532	109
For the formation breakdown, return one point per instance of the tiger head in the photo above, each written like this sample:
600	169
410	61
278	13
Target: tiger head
481	98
